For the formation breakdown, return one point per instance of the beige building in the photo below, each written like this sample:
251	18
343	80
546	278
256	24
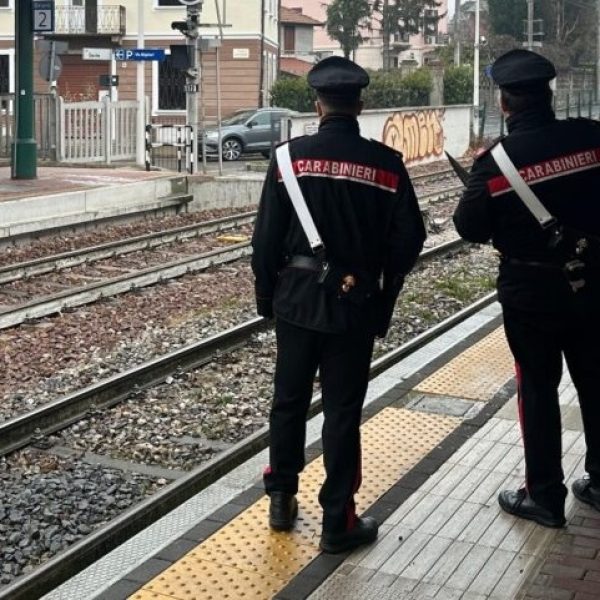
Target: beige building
94	29
370	54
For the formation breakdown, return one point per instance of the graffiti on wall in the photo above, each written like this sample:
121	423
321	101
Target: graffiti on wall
417	134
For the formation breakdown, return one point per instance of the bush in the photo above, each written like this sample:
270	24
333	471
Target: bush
293	93
387	90
458	85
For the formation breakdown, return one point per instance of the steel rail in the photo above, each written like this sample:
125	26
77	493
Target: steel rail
64	260
58	414
74	559
53	416
55	303
19	432
71	298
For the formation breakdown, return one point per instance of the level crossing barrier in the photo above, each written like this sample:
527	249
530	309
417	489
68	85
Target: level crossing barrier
170	146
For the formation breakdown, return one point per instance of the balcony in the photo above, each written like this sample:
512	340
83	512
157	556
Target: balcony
91	21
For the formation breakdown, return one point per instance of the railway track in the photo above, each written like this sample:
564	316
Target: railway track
72	297
33	427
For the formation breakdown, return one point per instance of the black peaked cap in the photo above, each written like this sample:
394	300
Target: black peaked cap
337	76
522	70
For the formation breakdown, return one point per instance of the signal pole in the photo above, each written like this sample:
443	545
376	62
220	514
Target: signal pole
193	18
530	9
476	74
24	148
457	34
141	92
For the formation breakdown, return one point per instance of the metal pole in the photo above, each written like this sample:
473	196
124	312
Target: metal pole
24	148
52	89
476	74
141	92
530	24
193	17
457	34
219	109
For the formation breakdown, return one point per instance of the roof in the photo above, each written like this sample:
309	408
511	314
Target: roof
294	16
295	66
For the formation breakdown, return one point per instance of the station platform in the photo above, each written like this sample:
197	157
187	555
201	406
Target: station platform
440	439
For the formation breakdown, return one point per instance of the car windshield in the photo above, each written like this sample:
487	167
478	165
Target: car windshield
238	118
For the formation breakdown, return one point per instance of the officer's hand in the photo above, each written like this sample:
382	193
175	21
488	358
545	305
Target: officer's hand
264	307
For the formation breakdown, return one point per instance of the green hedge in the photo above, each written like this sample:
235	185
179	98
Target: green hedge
458	85
387	90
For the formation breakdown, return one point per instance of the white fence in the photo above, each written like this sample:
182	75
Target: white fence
97	131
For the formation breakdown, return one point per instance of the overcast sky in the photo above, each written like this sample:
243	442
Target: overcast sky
451	7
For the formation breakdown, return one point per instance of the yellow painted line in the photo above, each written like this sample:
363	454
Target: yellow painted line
476	374
246	560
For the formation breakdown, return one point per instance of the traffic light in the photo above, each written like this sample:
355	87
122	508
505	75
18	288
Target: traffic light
189	27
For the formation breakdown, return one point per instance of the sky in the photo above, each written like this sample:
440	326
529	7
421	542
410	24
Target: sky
451	7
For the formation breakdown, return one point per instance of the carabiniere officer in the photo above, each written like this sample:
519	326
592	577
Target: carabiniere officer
550	310
364	207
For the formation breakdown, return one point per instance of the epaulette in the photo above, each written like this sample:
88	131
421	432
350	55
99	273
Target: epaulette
386	147
485	151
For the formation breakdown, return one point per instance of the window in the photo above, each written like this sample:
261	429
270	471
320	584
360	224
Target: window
5	3
171	86
169	3
262	119
4	74
289	39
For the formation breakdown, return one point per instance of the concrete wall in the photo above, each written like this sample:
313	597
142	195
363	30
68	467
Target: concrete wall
422	134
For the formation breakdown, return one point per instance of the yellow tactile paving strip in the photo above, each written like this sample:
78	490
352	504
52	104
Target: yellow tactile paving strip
245	560
476	374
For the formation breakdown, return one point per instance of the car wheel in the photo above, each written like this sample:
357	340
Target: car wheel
232	149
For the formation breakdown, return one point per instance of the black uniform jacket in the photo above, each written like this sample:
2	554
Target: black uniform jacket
560	160
367	215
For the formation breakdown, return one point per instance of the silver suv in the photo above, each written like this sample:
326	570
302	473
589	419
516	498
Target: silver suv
247	131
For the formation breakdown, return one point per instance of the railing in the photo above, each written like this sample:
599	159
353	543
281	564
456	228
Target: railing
97	131
102	20
45	124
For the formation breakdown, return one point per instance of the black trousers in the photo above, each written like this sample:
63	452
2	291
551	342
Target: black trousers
538	342
343	362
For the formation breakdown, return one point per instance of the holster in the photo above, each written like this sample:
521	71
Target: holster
348	284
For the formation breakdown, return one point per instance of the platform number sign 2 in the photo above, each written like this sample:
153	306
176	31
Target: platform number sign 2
43	16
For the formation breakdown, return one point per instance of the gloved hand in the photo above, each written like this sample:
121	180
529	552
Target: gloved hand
264	307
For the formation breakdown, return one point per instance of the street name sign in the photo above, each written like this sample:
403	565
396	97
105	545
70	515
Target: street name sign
97	53
140	54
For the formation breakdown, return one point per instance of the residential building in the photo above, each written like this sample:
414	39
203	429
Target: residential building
413	49
297	41
248	55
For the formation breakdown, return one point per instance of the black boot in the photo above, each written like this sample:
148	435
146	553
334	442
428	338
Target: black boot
283	511
586	492
520	504
363	532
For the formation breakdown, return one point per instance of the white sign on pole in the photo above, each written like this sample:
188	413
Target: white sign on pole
97	53
43	16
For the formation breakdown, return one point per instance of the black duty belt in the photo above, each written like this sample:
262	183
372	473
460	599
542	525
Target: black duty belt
308	263
530	263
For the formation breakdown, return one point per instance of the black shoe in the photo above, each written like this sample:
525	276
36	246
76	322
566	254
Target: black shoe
283	511
520	504
584	491
364	532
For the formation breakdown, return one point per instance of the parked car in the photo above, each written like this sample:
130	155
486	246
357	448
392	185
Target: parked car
247	131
